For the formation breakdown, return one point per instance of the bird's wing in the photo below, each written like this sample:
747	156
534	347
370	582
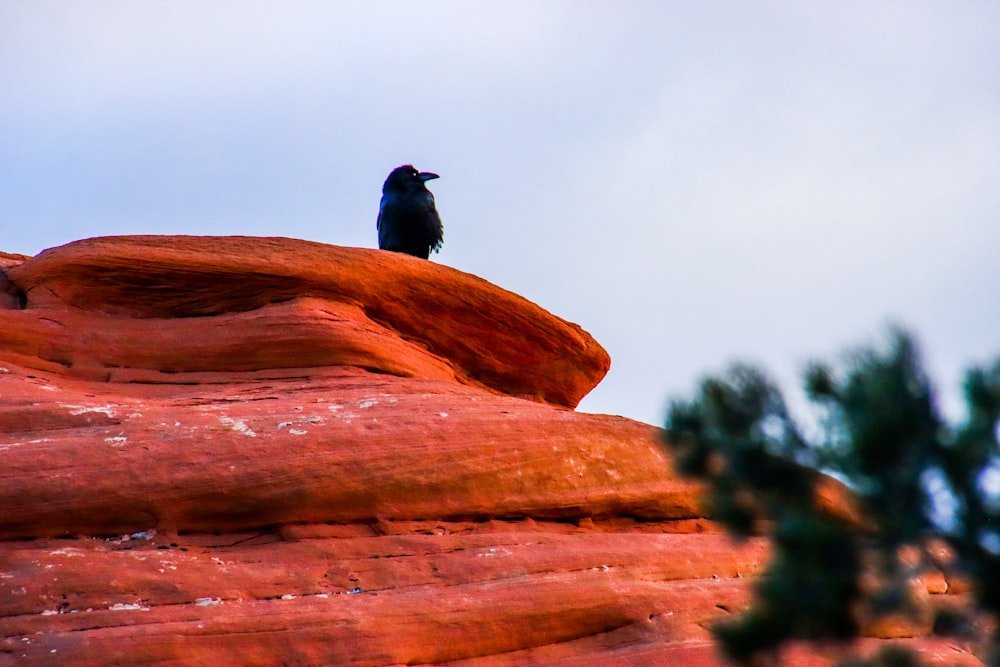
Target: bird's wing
378	221
386	224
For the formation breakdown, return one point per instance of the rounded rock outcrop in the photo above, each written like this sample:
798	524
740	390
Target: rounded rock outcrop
266	451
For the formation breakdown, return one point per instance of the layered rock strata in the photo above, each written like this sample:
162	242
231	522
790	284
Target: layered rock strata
266	451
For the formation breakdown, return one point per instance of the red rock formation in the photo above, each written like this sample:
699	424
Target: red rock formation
308	305
265	451
10	296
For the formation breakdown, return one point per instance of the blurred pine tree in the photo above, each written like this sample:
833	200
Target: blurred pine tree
883	435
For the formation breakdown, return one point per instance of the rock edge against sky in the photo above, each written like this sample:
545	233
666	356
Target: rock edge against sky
269	451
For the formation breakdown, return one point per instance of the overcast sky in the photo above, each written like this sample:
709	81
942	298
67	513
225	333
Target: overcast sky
692	182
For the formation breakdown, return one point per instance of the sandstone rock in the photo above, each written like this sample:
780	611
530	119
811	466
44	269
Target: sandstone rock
343	447
10	296
264	451
489	337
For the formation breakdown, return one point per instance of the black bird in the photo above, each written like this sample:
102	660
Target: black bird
407	219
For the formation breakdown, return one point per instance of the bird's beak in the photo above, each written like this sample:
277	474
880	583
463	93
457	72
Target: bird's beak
427	176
